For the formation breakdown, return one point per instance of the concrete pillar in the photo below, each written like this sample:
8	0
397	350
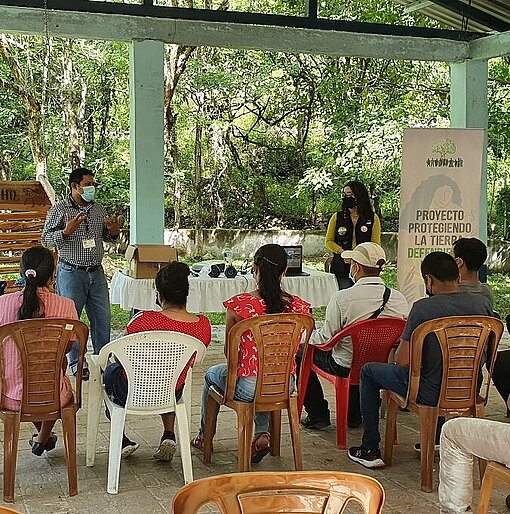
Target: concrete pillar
468	109
146	81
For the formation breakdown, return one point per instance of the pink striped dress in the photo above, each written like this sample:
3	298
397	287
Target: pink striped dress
54	307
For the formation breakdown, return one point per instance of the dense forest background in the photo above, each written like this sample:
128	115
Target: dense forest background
253	139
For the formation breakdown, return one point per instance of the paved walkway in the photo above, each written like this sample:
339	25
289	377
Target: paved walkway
147	485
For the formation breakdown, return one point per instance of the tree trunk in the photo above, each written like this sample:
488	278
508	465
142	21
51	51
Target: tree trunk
199	236
72	107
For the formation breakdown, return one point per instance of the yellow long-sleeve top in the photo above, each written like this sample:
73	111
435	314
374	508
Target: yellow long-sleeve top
330	234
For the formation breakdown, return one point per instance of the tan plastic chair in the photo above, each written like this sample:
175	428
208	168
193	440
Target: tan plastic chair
7	510
277	337
324	492
493	471
463	340
327	264
43	344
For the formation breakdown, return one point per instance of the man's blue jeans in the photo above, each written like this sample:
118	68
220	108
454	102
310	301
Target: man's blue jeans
374	377
88	290
245	391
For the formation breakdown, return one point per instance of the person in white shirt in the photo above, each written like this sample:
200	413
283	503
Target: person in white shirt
347	306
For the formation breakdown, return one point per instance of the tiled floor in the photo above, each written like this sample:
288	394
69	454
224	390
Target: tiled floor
147	485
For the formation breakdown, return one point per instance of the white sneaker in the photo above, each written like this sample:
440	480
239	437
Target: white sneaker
166	450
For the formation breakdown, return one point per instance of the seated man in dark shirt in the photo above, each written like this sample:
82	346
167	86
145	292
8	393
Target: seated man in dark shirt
441	276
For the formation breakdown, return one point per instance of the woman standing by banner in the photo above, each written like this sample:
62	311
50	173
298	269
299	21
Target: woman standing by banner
355	223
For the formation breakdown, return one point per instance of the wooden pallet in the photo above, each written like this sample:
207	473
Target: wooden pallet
23	208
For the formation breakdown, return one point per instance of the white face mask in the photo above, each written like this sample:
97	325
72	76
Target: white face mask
352	275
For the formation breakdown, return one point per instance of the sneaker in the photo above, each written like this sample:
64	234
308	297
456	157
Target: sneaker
367	458
315	423
166	450
128	447
417	448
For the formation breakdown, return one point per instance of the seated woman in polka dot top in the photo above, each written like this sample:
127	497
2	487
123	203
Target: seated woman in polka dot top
270	263
172	288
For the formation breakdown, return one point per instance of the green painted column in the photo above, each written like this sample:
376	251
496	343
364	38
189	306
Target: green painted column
146	81
468	109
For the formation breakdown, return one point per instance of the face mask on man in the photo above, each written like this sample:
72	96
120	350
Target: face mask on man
352	274
349	202
88	193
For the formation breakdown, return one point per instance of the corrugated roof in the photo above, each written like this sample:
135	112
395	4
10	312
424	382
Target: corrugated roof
471	15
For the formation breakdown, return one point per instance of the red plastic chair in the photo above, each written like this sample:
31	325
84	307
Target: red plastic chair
372	341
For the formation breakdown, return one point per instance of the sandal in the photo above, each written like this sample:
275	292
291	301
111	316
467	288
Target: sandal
198	442
50	443
260	447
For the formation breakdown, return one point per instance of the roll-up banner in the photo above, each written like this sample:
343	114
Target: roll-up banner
439	197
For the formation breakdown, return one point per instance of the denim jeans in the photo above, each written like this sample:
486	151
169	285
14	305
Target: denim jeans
245	391
374	377
89	290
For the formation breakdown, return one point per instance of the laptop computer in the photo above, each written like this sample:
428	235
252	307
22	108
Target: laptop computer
295	261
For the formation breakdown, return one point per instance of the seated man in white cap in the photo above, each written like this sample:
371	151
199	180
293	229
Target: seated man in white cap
367	298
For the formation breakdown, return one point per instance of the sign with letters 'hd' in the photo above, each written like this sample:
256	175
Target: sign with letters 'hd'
439	197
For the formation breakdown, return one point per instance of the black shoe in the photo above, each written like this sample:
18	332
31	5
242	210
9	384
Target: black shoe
50	444
315	423
84	376
368	458
417	447
37	448
128	447
354	424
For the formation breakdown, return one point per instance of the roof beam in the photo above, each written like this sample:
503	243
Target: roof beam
489	47
472	13
118	27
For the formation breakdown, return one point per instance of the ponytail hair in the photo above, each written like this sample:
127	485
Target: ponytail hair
37	267
271	261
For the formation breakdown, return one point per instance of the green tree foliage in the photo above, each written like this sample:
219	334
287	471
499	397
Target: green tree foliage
254	139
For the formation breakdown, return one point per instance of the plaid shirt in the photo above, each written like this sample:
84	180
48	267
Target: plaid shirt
70	249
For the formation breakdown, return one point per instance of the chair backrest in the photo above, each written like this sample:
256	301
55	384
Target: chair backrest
464	341
277	337
43	344
282	491
153	362
372	341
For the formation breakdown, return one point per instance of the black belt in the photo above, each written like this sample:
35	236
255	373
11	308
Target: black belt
88	269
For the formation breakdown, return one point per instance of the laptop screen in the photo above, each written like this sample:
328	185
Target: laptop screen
294	257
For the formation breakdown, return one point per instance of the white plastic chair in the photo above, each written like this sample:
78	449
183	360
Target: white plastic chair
153	362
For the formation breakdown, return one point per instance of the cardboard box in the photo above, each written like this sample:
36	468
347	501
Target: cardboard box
144	261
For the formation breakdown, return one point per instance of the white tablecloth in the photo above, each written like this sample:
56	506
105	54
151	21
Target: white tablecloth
208	294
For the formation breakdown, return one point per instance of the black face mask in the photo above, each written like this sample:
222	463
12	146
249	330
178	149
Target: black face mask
158	303
349	202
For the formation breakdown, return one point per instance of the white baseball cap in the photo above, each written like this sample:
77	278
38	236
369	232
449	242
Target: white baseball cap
369	254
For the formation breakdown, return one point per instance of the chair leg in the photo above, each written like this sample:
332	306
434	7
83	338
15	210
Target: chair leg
211	417
118	419
182	427
93	414
11	436
295	433
391	429
304	374
485	491
342	411
428	423
69	430
244	435
275	424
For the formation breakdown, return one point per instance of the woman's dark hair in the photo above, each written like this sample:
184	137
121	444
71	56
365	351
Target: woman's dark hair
172	283
271	261
37	267
363	205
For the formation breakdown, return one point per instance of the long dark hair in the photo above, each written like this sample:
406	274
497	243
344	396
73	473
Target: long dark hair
172	283
37	267
271	261
363	204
